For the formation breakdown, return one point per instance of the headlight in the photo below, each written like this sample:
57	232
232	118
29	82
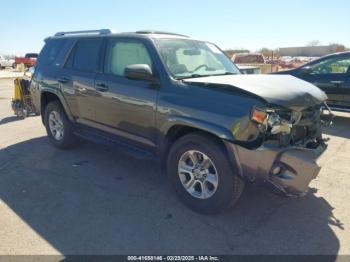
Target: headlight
259	115
269	120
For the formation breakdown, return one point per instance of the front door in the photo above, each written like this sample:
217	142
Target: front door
126	107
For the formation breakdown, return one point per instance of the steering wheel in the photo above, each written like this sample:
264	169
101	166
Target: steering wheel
199	67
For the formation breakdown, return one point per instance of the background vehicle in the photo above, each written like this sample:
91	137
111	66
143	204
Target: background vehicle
28	60
253	59
5	62
249	70
249	58
184	102
330	73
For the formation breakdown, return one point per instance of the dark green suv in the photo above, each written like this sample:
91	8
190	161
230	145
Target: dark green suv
164	95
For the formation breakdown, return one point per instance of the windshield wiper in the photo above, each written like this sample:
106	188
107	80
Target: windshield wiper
198	75
191	76
226	73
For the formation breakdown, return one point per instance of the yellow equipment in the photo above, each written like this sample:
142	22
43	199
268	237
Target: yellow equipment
22	104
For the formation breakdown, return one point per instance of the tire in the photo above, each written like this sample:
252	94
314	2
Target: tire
22	113
221	194
63	137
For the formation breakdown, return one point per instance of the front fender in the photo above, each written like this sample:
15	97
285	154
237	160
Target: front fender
214	129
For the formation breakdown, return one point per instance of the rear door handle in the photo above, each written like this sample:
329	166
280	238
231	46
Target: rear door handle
63	79
102	87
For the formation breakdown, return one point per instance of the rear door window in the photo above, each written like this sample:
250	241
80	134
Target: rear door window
85	56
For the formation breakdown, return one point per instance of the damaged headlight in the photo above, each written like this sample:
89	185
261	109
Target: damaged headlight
270	120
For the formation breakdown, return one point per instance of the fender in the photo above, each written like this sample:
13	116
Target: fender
61	98
214	129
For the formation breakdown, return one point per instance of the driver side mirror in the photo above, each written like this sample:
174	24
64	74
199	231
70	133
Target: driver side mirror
142	72
306	70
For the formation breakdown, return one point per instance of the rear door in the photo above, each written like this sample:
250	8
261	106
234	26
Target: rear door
332	76
78	79
123	106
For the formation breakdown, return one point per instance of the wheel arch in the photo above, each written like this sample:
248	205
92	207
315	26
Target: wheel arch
48	96
180	129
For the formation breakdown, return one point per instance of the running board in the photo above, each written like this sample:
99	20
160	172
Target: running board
340	109
99	138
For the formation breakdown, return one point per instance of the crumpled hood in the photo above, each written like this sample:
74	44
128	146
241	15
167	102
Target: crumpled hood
283	90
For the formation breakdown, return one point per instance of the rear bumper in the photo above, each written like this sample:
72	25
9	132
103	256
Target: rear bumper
289	170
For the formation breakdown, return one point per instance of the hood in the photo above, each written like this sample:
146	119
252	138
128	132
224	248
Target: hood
283	90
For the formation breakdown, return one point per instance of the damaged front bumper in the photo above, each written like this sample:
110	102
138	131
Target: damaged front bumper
288	169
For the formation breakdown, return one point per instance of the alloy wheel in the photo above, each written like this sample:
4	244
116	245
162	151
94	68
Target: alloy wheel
56	125
198	174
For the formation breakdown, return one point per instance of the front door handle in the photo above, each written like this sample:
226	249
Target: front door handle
102	87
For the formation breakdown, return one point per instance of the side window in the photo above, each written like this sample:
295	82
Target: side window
85	55
51	51
331	66
120	54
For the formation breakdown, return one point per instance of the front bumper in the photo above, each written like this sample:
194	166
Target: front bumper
289	170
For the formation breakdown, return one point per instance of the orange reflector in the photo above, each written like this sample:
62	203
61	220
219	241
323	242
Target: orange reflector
259	116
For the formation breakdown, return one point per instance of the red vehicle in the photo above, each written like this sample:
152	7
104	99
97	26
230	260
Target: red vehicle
28	60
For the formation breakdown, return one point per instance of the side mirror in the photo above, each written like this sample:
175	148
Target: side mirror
306	70
139	72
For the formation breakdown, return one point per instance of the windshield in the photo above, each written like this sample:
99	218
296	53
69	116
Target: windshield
187	58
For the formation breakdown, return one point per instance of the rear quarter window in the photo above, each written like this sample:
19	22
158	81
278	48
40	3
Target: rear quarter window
51	51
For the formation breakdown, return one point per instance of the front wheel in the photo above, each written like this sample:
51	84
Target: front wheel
202	175
59	128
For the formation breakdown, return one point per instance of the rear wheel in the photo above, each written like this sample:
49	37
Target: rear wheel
58	126
202	175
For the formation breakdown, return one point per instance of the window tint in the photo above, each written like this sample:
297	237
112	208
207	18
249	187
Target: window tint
120	54
85	56
50	51
331	66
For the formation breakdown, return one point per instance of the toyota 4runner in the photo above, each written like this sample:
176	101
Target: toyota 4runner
184	102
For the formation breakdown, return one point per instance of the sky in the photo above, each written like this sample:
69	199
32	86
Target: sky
231	24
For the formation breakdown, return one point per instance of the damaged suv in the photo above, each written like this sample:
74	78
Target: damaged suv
184	102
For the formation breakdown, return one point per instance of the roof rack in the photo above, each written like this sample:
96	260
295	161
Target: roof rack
100	31
158	32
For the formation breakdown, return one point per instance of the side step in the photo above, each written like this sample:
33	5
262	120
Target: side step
339	108
113	142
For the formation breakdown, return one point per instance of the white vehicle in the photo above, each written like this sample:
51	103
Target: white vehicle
5	62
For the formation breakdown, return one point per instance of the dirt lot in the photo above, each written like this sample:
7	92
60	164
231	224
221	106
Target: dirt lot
94	200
